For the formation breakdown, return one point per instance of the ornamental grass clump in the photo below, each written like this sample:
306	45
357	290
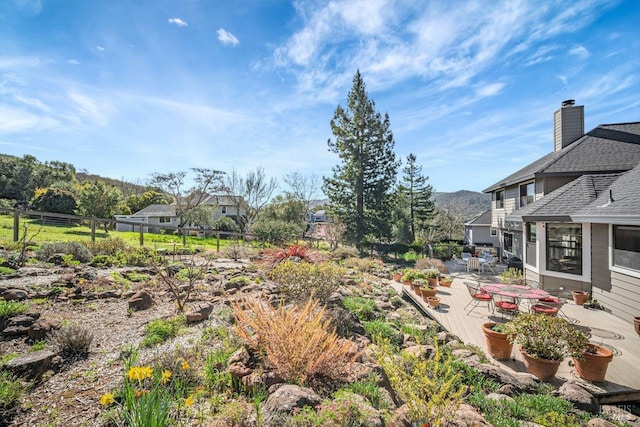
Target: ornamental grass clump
298	280
297	341
73	341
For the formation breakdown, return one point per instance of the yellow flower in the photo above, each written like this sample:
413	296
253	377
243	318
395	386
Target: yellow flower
139	372
165	376
188	401
107	399
185	365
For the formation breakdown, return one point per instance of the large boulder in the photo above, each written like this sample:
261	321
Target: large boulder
141	300
580	397
284	400
32	365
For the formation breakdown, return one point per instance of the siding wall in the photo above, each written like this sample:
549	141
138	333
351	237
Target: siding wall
600	273
623	300
554	182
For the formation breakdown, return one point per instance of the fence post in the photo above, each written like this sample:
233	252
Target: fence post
16	225
141	235
93	229
218	242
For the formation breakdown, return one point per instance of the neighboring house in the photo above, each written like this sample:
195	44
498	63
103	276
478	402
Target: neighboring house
316	216
478	231
555	214
158	215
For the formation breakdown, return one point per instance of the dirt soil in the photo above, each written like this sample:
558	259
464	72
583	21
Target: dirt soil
71	396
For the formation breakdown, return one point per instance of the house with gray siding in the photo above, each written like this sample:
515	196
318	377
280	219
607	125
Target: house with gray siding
478	231
571	217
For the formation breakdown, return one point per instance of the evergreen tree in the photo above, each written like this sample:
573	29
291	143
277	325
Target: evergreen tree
360	188
416	195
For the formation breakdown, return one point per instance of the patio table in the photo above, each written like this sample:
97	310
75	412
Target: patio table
515	291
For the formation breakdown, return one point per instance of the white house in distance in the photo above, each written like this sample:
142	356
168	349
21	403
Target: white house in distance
573	216
479	232
159	215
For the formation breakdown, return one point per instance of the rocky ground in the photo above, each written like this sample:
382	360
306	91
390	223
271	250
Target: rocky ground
68	393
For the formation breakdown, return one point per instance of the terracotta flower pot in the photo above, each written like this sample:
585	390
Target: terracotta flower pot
498	344
543	369
434	301
416	287
636	324
427	292
396	277
446	282
593	366
580	297
433	282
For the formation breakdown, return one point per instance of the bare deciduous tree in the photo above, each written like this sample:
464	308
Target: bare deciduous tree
254	189
304	188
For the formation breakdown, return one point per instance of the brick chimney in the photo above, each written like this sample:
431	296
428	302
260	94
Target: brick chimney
568	124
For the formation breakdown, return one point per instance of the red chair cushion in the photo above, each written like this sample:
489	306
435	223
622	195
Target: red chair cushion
548	299
483	297
543	309
506	305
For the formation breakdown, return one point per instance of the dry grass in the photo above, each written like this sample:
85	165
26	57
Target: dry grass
296	341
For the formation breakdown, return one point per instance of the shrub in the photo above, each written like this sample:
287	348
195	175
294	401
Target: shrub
512	276
432	273
364	265
343	410
297	281
364	308
411	274
297	252
369	389
160	330
77	249
344	252
73	341
276	232
110	247
11	308
103	261
410	256
297	341
430	387
380	329
5	270
11	391
224	223
429	263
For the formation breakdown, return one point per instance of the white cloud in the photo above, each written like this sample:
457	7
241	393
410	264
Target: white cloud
562	78
100	48
73	62
580	51
489	90
227	38
177	21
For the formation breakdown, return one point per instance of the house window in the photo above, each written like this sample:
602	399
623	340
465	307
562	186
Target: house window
493	231
223	209
165	219
564	248
531	231
527	194
626	247
500	199
508	242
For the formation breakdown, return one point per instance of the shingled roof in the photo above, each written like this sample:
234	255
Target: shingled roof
621	206
561	204
607	148
482	219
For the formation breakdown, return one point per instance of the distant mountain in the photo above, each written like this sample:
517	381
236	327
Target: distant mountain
467	204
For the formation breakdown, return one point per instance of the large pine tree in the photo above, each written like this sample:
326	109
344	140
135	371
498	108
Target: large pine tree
360	188
416	194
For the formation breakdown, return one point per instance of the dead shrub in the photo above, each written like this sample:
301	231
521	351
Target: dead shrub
426	263
297	341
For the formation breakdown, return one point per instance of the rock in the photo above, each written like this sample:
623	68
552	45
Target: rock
31	365
14	294
421	351
400	417
520	381
580	397
23	319
284	400
14	331
141	300
238	370
467	416
599	422
43	327
370	417
108	294
499	396
201	313
57	259
241	355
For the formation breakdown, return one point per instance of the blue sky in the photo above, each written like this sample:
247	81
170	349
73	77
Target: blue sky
127	88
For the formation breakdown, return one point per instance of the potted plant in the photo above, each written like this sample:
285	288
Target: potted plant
592	363
432	276
426	291
412	274
396	275
636	324
580	297
544	342
434	301
446	281
497	339
418	284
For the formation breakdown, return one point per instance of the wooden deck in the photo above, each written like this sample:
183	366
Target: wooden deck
623	374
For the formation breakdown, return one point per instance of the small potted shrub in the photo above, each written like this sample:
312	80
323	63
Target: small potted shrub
418	284
396	275
497	339
411	274
427	291
432	276
434	301
592	363
446	281
544	342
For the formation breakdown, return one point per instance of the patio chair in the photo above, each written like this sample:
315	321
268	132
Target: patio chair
506	305
553	303
478	296
473	264
490	265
